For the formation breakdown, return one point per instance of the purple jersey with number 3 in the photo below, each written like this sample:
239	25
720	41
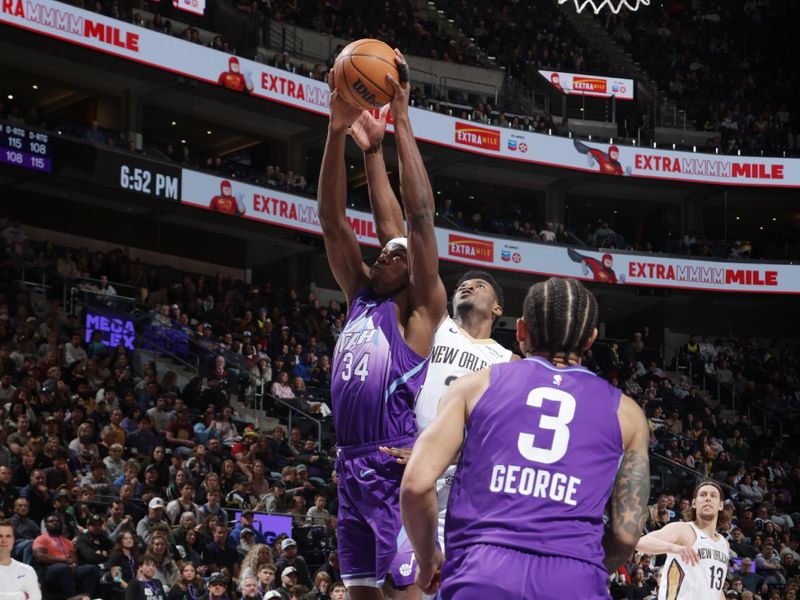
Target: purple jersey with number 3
376	376
542	449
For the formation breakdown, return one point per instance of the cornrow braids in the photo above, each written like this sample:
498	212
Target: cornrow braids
561	315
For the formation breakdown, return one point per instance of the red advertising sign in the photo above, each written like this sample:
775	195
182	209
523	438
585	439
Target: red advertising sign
467	247
469	134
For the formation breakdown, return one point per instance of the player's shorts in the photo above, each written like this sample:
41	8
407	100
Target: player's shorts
486	571
369	511
404	566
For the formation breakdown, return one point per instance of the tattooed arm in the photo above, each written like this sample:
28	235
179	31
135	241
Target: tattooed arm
628	504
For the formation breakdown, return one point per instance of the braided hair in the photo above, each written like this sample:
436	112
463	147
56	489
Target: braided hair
561	315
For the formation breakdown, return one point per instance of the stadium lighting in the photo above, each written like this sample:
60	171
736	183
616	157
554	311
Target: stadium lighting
35	87
761	228
654	144
774	219
673	146
737	218
11	96
208	132
183	141
173	123
694	148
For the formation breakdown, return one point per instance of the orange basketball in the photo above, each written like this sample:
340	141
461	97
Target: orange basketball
360	73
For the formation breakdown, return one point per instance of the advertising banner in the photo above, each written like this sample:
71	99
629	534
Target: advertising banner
104	34
590	85
196	7
282	209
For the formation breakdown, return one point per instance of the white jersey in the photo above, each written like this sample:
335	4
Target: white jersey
680	581
455	353
18	581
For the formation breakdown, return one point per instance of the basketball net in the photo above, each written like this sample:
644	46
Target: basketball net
614	5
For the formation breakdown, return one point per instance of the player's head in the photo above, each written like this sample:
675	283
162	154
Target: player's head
478	291
613	152
708	502
225	187
389	273
559	319
608	261
233	64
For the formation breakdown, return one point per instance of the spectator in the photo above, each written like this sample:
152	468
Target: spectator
146	586
56	554
94	546
291	558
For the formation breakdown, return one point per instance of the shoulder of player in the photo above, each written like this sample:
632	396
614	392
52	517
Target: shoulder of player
470	387
632	420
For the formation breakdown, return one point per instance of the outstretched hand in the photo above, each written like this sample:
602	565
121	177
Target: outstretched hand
401	454
688	555
367	131
342	114
402	89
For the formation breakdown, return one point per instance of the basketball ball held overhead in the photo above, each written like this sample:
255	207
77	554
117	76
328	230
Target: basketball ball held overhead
360	73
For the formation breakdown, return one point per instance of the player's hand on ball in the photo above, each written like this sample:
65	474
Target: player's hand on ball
367	131
429	577
342	114
688	555
401	454
402	90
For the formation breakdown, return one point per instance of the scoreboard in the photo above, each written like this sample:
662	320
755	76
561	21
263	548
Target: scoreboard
27	148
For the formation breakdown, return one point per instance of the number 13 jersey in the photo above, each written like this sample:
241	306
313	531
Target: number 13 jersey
680	581
541	452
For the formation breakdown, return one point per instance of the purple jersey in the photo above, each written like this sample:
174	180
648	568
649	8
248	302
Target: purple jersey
376	376
541	452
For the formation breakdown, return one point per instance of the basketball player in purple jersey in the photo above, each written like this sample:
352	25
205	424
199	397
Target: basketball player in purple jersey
462	344
380	358
547	443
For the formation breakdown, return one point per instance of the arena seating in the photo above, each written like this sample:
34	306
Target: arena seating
62	396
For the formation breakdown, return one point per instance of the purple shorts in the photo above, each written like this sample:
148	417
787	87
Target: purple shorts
486	571
404	566
369	511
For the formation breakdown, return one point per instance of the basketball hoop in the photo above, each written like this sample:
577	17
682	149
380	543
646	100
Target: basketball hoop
614	5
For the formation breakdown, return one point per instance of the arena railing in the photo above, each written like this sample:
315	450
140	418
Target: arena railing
294	412
673	475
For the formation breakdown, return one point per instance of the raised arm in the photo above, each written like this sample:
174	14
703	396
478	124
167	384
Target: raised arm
426	290
344	255
631	489
367	132
433	452
673	538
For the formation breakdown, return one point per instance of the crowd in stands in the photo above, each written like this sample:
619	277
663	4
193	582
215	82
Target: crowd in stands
736	91
738	84
117	478
758	468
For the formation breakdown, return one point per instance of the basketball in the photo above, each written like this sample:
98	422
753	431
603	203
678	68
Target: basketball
360	73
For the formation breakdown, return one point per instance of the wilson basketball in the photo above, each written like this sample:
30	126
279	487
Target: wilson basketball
360	73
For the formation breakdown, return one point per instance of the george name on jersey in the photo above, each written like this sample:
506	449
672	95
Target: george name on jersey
713	554
536	483
455	356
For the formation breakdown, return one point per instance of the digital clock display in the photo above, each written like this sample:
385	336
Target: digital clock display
25	148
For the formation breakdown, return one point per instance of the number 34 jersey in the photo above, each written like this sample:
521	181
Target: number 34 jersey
680	581
541	452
